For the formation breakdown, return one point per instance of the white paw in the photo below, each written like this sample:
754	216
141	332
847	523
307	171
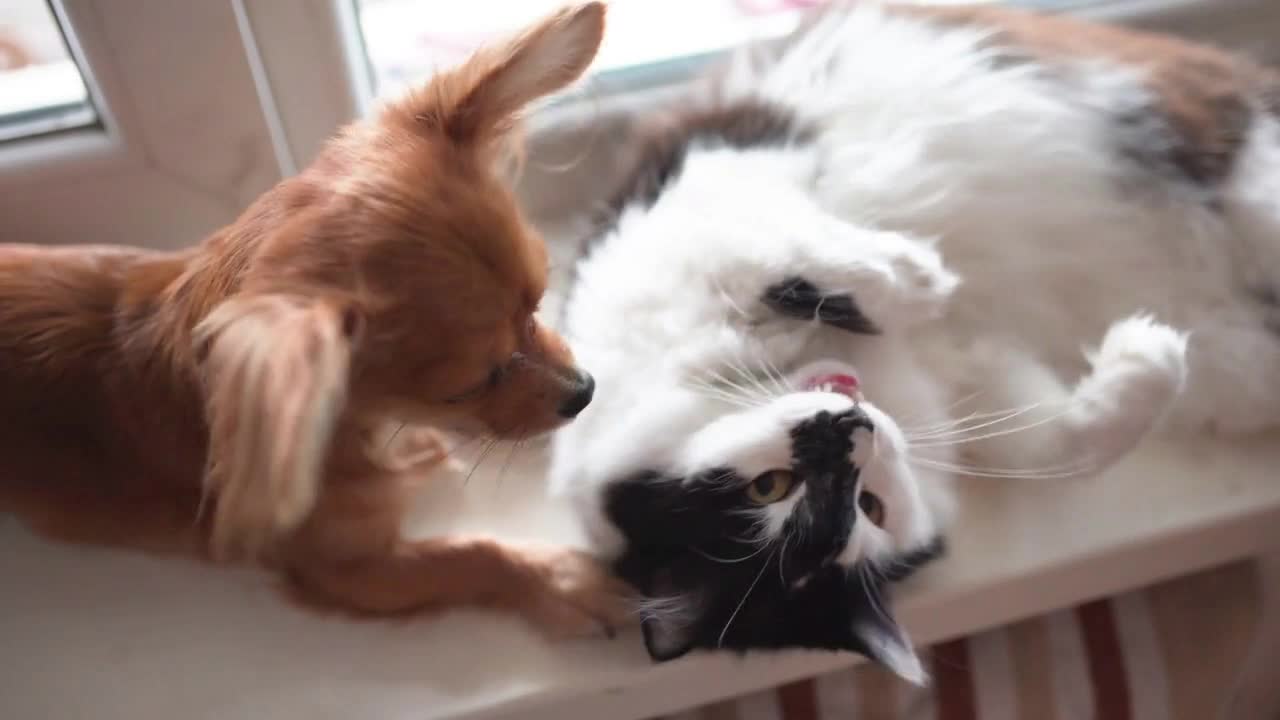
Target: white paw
1141	349
922	282
897	280
1138	372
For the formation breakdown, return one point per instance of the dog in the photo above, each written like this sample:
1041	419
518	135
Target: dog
231	401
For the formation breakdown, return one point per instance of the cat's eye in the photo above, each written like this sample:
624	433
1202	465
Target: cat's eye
872	507
771	487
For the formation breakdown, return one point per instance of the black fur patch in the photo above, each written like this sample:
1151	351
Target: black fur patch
742	124
661	152
798	298
694	541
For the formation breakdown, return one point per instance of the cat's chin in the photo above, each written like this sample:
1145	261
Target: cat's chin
830	376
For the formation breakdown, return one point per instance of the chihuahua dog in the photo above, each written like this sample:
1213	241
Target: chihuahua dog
232	400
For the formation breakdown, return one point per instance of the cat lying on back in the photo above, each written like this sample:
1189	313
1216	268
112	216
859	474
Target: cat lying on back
869	258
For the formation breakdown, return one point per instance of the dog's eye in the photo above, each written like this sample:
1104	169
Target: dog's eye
873	507
491	381
495	376
771	487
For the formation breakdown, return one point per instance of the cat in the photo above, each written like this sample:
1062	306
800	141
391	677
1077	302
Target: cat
847	235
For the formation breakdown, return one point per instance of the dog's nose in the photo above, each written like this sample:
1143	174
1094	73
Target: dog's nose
581	397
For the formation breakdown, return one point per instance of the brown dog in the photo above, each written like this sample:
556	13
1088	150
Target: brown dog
231	400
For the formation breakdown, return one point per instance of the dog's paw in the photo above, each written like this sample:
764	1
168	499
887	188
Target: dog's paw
421	449
576	595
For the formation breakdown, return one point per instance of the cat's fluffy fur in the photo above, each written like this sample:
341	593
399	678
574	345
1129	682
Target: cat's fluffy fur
1033	223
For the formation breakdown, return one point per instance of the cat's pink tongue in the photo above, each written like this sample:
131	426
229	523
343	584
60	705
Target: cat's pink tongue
842	383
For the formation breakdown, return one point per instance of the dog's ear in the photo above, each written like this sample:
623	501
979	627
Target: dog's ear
275	370
482	98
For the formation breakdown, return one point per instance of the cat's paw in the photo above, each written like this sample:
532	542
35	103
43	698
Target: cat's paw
1138	372
923	285
575	595
866	281
1148	357
897	279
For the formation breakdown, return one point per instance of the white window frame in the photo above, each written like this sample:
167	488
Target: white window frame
180	146
312	56
290	73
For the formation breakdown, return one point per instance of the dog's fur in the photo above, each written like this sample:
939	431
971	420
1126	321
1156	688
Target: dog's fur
231	400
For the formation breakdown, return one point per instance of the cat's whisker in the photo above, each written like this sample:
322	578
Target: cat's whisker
871	598
772	389
916	430
908	428
1062	471
739	366
726	561
782	558
734	392
746	391
1029	426
960	424
770	373
780	378
1072	464
715	393
743	601
1004	416
724	295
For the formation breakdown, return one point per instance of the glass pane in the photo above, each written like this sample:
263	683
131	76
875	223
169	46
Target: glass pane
407	40
41	89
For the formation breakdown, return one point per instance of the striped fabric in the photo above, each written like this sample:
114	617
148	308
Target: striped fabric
1168	652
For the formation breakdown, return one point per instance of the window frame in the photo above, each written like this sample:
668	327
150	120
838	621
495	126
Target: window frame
286	29
172	153
311	75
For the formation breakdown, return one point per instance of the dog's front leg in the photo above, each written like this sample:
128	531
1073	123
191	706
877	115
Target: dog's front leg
560	591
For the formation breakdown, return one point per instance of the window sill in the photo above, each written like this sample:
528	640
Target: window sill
138	637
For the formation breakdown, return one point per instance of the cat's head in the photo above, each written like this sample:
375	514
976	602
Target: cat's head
778	524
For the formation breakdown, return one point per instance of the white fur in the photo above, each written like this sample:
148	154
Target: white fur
979	214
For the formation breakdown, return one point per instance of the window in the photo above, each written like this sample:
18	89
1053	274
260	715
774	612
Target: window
648	42
406	40
152	122
41	88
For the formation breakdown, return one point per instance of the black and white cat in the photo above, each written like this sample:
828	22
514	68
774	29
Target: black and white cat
869	260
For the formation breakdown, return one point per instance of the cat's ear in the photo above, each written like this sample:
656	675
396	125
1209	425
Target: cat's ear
667	638
874	632
670	624
799	298
880	638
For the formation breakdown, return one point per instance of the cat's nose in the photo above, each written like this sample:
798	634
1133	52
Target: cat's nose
852	419
579	398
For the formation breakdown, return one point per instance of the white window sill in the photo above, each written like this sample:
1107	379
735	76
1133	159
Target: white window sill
118	635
